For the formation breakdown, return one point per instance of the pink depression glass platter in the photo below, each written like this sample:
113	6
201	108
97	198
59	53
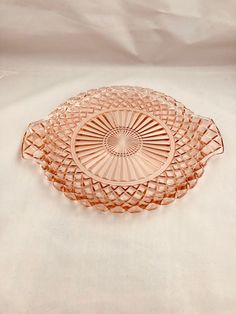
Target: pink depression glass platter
122	148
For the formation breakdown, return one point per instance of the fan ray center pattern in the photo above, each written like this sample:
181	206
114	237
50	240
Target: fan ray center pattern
122	147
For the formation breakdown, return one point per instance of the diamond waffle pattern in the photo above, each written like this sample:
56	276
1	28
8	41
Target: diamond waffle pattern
50	143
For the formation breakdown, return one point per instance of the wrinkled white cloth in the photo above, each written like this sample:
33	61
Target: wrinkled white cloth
59	258
165	32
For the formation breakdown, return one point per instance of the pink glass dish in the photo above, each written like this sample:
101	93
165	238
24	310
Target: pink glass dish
122	148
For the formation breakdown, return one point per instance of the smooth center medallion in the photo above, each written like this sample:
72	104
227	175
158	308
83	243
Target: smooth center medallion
122	146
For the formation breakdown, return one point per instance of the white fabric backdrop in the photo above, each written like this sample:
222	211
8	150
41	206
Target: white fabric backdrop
162	32
57	257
